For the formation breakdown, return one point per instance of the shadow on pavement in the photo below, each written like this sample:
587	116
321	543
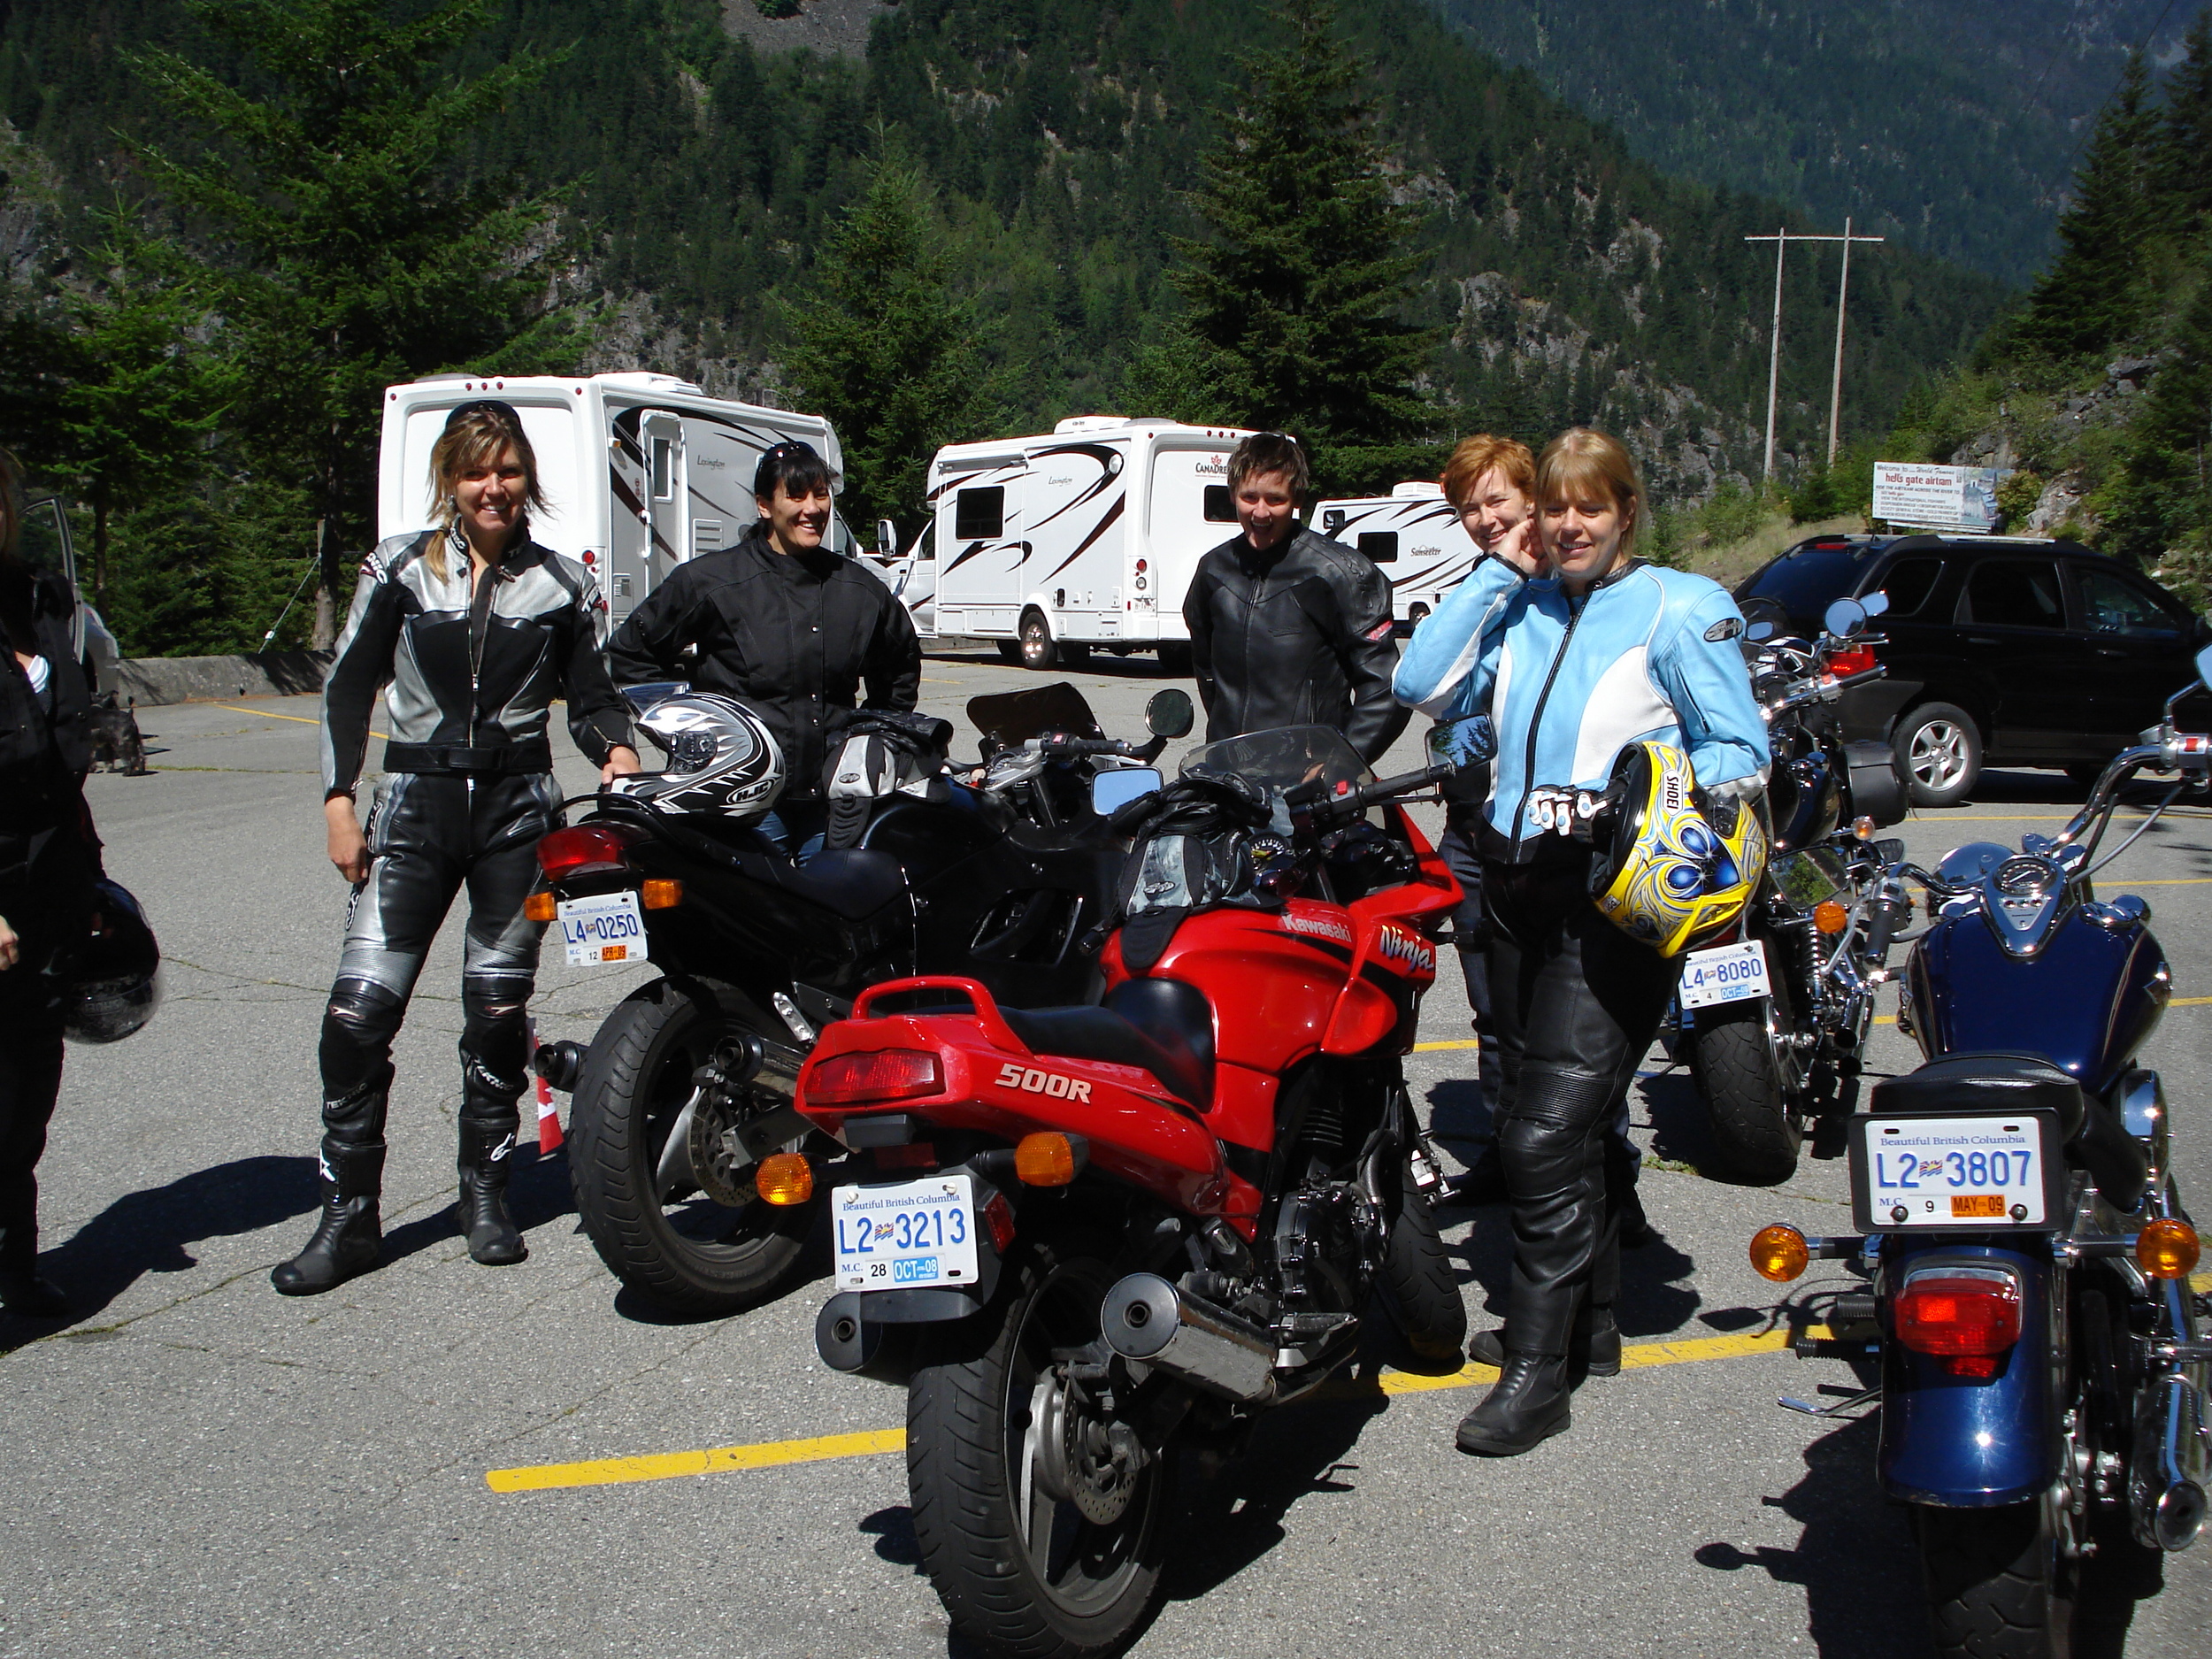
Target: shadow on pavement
149	1231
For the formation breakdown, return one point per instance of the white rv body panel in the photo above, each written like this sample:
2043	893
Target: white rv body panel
1415	539
1097	525
641	472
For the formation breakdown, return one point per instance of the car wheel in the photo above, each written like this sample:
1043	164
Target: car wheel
1416	616
1938	749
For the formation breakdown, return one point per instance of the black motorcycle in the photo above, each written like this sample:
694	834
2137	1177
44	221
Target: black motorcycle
1001	874
1772	1052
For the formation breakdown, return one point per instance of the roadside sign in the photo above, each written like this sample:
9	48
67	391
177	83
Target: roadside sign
1950	498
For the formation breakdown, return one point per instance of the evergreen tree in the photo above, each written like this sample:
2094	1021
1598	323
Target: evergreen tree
884	348
2184	160
2087	301
351	258
1295	302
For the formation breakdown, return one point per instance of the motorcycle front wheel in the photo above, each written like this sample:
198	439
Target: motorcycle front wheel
1746	1066
690	1251
1041	1524
1423	1290
1994	1582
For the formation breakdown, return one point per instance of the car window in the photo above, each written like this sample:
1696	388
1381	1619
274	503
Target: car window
1808	579
2014	593
1908	583
2110	605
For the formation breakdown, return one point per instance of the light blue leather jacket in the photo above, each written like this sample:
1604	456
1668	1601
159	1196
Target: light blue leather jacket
1567	682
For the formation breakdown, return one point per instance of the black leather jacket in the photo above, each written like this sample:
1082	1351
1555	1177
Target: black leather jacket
49	855
791	635
1299	636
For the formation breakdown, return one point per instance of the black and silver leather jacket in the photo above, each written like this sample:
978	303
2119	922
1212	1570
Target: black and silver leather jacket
472	669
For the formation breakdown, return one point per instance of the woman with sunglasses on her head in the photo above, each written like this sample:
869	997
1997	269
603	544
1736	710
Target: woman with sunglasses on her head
1597	654
470	630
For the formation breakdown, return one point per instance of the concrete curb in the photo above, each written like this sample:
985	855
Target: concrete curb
154	681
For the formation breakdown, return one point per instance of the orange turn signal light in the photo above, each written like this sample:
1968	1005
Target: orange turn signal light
1048	1159
1780	1252
2167	1248
784	1178
662	892
539	906
1830	917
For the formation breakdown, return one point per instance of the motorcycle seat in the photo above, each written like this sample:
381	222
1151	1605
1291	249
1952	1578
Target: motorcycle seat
1162	1026
853	883
2094	1137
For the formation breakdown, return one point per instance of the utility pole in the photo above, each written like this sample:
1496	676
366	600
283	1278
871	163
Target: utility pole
1781	239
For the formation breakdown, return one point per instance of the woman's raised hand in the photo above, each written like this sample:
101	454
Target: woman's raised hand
621	762
348	847
10	947
1519	548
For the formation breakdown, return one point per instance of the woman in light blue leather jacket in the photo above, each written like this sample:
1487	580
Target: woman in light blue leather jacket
1568	666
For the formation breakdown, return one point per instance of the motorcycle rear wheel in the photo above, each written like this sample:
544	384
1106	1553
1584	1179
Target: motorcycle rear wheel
692	1256
1752	1087
1994	1582
1021	1571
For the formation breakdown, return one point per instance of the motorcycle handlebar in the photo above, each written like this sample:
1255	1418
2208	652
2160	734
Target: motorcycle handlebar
1352	802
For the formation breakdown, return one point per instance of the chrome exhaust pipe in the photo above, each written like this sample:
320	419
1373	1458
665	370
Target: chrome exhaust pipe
1147	1320
2167	1474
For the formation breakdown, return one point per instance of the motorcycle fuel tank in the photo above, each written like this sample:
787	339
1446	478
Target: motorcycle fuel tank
1292	964
2088	1000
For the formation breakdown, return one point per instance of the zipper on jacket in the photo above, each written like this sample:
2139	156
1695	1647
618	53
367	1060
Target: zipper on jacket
480	625
1536	723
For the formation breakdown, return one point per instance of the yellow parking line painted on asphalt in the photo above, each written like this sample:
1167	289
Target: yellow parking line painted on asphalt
615	1472
1458	1042
271	714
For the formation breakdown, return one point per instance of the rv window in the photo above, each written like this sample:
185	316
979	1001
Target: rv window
1379	545
1219	509
663	468
979	514
1333	521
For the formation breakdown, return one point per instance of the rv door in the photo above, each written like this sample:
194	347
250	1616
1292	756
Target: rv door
981	578
667	501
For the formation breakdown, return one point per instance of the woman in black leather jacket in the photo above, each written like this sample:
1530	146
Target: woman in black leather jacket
49	857
470	630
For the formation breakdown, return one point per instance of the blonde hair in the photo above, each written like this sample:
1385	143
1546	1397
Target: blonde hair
1478	457
1582	462
475	436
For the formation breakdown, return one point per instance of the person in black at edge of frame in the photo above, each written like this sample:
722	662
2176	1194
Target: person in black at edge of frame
49	857
470	629
1288	627
787	626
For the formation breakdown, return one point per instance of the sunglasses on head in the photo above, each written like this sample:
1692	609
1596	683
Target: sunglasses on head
482	406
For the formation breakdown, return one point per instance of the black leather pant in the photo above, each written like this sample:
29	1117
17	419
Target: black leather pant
431	835
30	1082
1577	1003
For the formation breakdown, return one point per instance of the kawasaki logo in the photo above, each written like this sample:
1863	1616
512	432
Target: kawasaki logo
1320	927
1031	1082
1400	945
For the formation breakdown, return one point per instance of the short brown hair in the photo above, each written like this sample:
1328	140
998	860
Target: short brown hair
1583	460
1270	452
1480	454
474	435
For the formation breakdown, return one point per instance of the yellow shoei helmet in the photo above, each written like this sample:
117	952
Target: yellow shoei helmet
1679	869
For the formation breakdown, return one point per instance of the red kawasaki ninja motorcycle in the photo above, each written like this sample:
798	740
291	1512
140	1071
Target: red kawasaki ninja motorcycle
1097	1238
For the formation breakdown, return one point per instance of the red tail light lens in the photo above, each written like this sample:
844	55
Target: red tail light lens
1969	1316
569	852
1856	661
846	1080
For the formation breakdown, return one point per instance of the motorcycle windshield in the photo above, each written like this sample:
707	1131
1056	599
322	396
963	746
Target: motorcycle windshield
1286	757
1013	717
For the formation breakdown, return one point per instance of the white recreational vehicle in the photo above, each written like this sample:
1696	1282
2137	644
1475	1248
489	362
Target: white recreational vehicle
1086	535
1413	535
641	472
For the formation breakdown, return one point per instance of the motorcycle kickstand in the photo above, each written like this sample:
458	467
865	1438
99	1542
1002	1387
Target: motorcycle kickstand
1790	1405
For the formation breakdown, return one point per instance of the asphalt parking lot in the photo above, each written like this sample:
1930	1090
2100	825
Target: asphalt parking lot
441	1459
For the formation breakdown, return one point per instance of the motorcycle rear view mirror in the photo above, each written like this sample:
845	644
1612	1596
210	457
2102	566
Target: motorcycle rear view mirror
1112	790
1170	714
1844	617
1874	603
2204	666
1759	632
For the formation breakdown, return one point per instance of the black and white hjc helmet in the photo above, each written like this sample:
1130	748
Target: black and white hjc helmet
721	758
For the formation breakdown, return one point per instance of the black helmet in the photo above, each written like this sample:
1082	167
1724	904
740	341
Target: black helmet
114	984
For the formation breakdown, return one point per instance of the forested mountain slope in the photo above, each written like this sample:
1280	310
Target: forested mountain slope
1953	124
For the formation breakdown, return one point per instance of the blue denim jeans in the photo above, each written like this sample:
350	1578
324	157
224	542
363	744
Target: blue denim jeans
797	828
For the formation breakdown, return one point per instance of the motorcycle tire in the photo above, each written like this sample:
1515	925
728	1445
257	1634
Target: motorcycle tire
636	1079
1012	1579
1749	1099
1993	1582
1423	1290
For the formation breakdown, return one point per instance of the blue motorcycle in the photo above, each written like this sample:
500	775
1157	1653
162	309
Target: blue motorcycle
2027	1257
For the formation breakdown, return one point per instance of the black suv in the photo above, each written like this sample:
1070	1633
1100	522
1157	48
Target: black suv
2004	650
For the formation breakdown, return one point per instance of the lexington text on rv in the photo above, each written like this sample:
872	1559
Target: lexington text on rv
641	472
1415	539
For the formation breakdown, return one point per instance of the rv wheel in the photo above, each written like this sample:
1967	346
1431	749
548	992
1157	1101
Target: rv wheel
1038	649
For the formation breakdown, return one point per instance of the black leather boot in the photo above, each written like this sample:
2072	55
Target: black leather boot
349	1236
1596	1347
1526	1405
488	1148
22	1291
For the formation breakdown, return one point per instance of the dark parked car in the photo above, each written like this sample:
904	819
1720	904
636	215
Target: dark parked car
2007	650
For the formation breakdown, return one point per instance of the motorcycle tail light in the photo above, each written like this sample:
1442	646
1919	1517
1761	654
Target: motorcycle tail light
1856	661
2167	1248
586	848
1968	1317
998	1216
846	1080
1780	1252
784	1178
